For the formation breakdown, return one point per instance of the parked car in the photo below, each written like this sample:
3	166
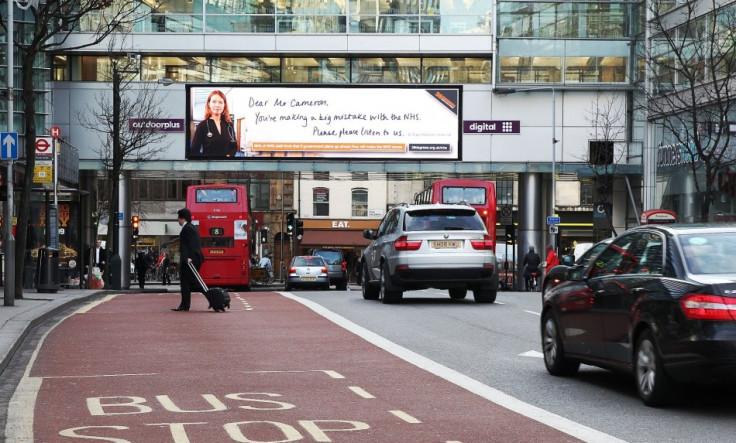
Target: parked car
557	275
307	271
440	246
336	266
659	302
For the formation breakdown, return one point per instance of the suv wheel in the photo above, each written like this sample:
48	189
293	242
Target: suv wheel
485	295
388	295
370	292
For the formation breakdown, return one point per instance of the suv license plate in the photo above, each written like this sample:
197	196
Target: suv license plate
307	278
444	244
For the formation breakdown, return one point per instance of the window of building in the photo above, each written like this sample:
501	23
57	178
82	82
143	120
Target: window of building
456	70
360	202
246	69
321	199
386	70
321	175
359	176
505	192
316	70
586	193
260	195
179	69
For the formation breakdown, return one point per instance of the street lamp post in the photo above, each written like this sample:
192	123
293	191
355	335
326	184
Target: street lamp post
553	198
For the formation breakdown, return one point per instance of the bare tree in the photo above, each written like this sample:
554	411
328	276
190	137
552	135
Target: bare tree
48	27
606	118
120	143
691	61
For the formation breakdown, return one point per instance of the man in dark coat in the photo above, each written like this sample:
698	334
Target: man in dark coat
191	252
531	264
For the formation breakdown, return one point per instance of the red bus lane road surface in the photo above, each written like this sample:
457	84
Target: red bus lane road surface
128	369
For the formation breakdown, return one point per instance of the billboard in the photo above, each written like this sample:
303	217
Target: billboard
323	122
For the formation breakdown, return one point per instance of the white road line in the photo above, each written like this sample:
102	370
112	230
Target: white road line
533	313
330	373
535	354
555	421
19	424
360	391
404	416
59	377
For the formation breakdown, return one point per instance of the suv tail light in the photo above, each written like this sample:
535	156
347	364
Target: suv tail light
344	266
485	244
708	307
402	244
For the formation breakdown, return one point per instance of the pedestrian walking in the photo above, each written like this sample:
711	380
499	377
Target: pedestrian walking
141	267
165	274
191	252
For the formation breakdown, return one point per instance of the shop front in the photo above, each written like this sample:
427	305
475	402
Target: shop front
346	235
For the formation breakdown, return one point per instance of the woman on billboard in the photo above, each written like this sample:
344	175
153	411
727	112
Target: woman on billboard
214	137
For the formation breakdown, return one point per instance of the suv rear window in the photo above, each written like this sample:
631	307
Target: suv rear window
442	220
331	257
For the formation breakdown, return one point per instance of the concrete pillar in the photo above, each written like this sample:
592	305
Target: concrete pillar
124	232
531	217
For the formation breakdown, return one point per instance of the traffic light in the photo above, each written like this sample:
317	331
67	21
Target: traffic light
134	223
290	223
264	235
299	228
510	234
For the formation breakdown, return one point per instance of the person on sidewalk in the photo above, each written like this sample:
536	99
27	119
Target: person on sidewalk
141	267
552	259
191	252
165	275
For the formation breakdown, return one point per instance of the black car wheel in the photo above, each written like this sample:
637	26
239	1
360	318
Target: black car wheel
370	292
554	354
458	293
652	383
485	295
388	295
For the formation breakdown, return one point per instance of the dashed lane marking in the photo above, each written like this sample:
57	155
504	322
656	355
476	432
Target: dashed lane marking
532	312
406	417
555	421
535	354
361	392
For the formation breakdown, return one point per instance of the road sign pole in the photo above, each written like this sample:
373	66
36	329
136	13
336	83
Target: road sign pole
9	244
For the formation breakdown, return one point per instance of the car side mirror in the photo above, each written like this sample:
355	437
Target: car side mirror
575	273
568	260
368	234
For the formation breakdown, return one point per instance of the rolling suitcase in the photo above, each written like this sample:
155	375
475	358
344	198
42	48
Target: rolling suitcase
219	298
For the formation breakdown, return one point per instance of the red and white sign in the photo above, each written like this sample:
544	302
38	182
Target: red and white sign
43	147
55	132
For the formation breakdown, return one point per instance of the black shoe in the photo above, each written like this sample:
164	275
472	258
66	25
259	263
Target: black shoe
179	309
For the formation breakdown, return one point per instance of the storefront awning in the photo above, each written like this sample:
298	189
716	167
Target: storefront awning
336	238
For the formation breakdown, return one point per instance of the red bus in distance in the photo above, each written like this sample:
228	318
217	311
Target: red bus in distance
222	213
479	194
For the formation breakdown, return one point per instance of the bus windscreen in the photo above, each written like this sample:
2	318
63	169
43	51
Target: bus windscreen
223	195
471	196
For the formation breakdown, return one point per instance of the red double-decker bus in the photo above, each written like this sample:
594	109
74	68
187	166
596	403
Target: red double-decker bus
223	215
479	194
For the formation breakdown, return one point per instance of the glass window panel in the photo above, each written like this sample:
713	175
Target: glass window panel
360	202
321	201
457	70
245	69
316	70
179	69
386	70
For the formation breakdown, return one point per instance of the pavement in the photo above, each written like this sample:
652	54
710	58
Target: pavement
17	320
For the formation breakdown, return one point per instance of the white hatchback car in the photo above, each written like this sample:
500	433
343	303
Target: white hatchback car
430	246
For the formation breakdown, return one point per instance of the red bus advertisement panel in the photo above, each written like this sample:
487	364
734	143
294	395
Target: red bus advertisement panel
222	213
479	194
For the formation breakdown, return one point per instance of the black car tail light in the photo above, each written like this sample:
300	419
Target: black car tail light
485	244
402	244
708	307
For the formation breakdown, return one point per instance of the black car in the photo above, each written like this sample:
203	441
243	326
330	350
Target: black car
557	275
659	302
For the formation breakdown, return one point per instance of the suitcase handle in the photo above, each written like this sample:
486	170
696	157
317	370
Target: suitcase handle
199	277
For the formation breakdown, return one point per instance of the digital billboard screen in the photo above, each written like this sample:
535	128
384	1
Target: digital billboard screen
231	122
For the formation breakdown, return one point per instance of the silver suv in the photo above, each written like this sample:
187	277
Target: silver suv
429	246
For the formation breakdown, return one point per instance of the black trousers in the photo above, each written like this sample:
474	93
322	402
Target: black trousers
187	282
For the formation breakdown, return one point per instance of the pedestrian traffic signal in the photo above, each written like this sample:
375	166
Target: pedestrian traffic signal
264	235
290	218
299	228
510	234
134	223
